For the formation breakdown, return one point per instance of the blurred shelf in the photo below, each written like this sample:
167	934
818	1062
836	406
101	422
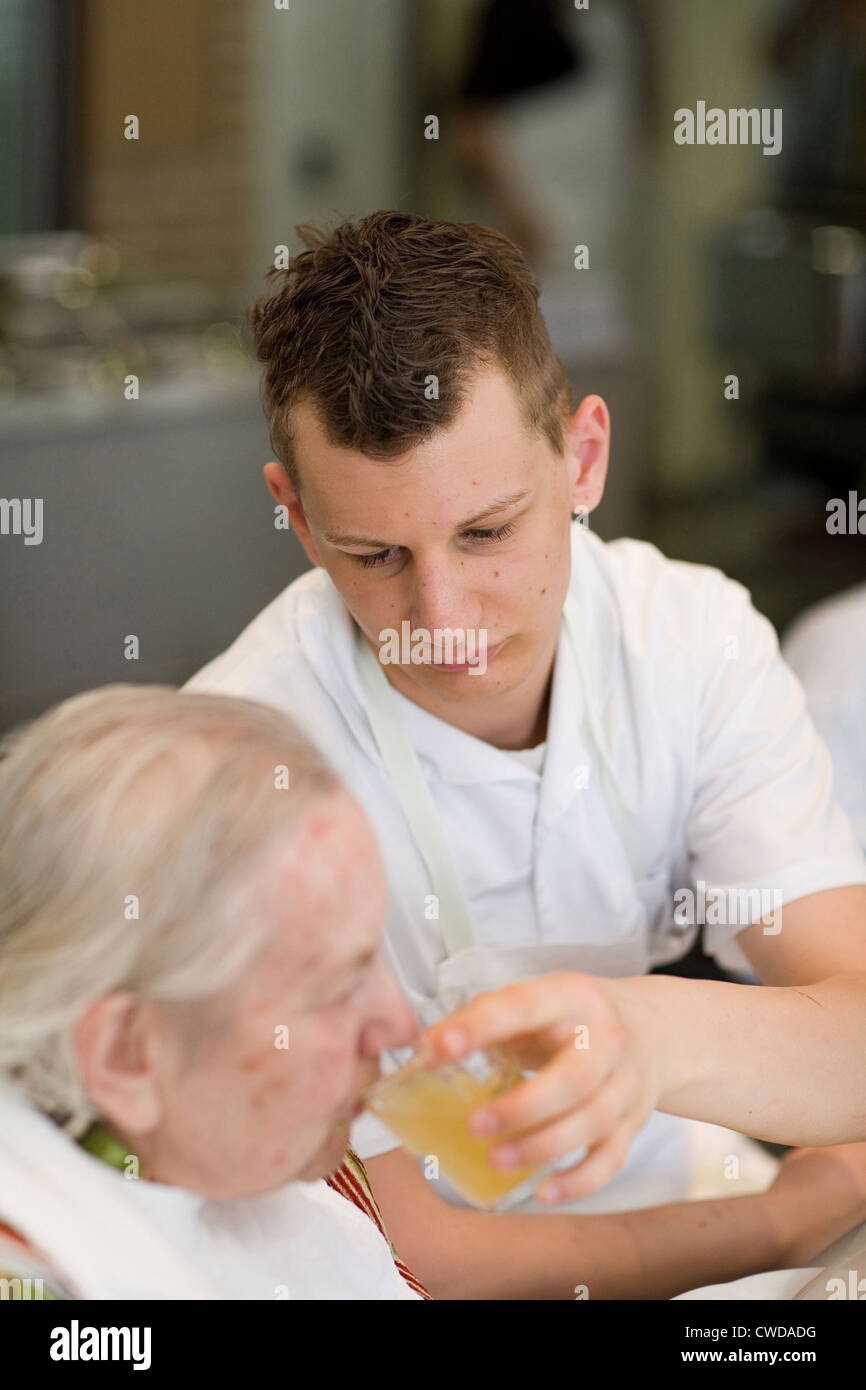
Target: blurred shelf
159	404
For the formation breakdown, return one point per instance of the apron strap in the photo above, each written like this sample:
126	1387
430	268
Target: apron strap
410	784
404	768
580	641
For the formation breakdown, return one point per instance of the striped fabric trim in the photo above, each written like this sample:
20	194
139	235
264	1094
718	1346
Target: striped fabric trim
24	1272
350	1180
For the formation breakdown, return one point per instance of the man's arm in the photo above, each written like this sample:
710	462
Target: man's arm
655	1253
782	1061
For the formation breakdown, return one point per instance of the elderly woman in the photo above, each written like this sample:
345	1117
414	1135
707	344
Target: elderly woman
192	998
191	990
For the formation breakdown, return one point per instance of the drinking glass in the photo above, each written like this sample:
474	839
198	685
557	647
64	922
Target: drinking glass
427	1107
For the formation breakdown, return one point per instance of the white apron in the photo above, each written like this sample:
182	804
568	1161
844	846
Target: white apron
657	1168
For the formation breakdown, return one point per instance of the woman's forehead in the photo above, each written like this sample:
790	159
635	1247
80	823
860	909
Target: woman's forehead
324	871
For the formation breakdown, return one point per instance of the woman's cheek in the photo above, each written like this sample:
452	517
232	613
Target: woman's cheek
333	1063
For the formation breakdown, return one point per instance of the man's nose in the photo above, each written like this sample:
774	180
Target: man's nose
439	598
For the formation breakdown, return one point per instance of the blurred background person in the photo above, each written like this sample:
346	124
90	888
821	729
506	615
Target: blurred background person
826	647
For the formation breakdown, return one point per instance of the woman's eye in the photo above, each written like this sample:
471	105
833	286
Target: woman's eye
344	995
353	985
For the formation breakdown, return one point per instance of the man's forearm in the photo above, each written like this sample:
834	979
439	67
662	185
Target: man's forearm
655	1253
778	1063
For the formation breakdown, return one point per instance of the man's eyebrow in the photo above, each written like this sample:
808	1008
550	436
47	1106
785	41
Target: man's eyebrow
498	505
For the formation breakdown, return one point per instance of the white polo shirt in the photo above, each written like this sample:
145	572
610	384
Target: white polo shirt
720	769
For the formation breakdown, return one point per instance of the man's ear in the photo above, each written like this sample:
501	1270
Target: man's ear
126	1054
589	448
280	487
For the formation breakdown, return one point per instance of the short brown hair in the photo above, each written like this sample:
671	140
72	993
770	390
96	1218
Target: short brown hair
359	322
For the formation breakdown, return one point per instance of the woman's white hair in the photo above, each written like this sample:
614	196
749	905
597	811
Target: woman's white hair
130	817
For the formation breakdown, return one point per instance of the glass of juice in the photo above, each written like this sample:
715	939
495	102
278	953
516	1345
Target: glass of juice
427	1108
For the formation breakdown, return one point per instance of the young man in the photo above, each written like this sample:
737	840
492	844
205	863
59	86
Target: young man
626	733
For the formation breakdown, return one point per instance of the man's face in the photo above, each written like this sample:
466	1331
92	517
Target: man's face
469	531
248	1113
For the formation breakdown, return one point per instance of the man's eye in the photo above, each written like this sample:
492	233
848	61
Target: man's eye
484	537
381	557
498	533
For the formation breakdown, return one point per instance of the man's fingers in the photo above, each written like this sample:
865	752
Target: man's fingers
565	1001
573	1128
599	1166
570	1080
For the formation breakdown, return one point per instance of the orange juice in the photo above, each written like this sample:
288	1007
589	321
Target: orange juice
428	1109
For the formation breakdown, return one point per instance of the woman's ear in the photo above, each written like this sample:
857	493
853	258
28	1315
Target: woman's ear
126	1055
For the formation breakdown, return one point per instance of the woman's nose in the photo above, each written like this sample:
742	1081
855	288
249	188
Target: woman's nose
397	1026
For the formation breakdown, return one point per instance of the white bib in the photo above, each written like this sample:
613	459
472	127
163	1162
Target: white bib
109	1236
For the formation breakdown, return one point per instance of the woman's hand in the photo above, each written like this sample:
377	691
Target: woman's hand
597	1079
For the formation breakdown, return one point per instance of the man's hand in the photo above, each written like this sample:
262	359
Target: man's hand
596	1085
819	1195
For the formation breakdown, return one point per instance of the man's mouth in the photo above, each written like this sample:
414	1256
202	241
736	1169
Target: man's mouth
465	665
